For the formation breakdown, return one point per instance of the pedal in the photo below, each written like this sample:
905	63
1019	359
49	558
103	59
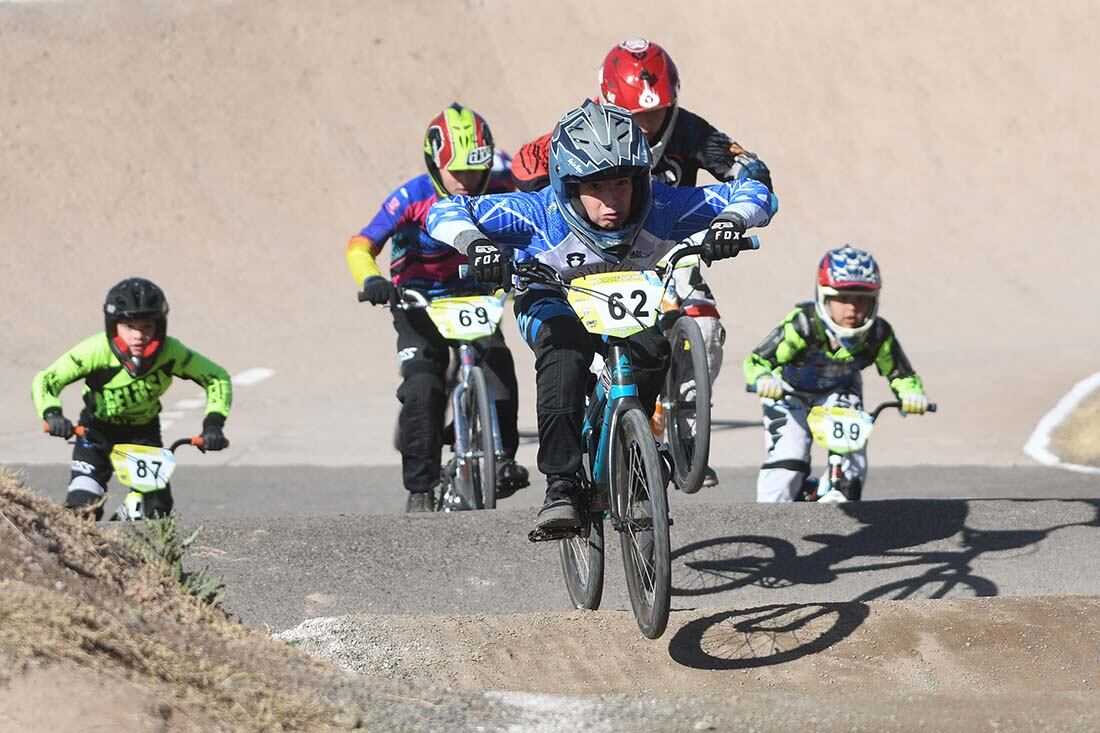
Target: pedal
549	534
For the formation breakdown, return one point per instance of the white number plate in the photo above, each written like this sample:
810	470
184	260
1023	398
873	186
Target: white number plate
142	467
617	303
467	318
840	429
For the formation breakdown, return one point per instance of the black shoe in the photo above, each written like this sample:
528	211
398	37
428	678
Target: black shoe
559	510
710	477
511	477
420	501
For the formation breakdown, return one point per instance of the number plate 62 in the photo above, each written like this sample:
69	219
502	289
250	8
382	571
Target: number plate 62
617	303
840	429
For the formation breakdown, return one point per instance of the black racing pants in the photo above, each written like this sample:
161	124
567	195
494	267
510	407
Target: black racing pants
425	356
92	469
563	354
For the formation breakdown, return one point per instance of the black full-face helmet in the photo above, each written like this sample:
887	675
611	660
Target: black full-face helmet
130	300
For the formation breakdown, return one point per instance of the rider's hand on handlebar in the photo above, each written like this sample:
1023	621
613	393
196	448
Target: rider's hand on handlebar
376	290
212	436
768	387
914	403
723	238
59	425
488	264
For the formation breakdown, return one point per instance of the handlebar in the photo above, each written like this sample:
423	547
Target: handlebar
95	438
751	388
536	271
402	299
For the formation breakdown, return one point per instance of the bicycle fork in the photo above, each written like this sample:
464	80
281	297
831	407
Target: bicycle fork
466	455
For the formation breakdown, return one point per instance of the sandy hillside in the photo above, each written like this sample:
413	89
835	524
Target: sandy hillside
229	149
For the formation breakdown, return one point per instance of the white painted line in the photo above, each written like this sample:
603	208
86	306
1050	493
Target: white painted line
252	376
189	404
171	415
1038	445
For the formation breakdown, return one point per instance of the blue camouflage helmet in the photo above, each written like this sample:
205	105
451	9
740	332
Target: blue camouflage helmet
597	142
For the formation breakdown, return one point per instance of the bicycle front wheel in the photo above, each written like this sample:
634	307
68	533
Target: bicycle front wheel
582	564
687	405
478	463
641	517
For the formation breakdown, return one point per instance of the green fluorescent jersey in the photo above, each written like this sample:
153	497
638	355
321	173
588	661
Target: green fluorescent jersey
113	396
799	349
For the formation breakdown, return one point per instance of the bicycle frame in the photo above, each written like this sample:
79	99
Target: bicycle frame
615	392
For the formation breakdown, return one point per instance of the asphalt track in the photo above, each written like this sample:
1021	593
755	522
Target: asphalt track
297	542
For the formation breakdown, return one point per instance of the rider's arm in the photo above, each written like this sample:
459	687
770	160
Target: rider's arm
365	246
685	211
893	364
785	342
510	219
76	363
727	161
530	167
360	255
189	364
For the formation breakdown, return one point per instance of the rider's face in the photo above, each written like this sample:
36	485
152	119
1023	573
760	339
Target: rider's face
650	121
461	183
607	203
137	334
850	309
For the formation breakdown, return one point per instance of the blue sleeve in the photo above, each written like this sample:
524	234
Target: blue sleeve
389	217
511	219
685	211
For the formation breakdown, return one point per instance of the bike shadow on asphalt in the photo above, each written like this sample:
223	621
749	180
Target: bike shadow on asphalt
891	539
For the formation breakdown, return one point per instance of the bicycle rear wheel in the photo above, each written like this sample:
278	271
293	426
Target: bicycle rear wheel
641	517
687	405
582	563
477	469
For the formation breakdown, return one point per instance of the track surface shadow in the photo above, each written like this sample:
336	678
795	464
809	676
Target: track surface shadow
890	538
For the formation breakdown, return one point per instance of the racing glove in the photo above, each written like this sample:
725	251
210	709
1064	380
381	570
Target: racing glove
488	264
914	403
212	436
723	238
769	387
376	290
59	425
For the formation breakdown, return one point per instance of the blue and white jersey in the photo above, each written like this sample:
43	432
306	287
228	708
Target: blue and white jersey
529	226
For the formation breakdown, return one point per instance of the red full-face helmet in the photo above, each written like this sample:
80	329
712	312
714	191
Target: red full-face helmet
640	76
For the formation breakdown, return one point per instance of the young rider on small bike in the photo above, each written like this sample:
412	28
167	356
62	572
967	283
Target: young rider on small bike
819	351
459	154
641	77
126	368
602	212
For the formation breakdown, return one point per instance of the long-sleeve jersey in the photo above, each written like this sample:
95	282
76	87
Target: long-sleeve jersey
529	226
693	144
417	260
111	395
800	350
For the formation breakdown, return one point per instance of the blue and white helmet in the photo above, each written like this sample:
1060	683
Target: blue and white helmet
597	142
853	271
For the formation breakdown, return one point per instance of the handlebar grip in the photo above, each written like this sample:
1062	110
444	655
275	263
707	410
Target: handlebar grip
753	243
362	295
463	271
197	441
931	406
750	388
